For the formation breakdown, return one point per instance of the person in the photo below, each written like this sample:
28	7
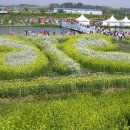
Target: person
25	32
13	33
33	33
123	34
29	32
54	33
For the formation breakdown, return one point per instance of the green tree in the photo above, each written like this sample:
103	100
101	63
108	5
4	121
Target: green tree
79	5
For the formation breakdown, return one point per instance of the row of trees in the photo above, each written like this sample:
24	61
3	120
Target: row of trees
66	5
105	9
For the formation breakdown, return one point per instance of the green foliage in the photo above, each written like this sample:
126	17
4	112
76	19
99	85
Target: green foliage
111	47
59	61
57	65
84	111
44	85
92	102
5	49
31	70
94	63
62	39
126	40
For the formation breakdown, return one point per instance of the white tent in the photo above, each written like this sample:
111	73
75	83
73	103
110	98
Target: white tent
105	23
125	22
83	20
111	22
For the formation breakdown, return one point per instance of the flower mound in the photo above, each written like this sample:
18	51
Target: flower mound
67	64
20	59
23	57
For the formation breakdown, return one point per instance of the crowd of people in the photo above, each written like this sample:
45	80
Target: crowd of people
77	28
73	24
52	21
31	20
47	32
120	35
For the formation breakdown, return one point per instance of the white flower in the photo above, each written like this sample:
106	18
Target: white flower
49	44
26	55
83	46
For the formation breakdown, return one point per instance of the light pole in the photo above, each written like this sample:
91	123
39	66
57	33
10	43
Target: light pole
10	22
1	22
26	22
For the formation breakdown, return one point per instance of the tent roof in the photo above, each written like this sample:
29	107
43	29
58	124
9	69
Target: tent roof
112	19
82	18
125	20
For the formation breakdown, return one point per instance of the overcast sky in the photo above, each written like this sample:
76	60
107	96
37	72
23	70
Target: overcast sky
111	3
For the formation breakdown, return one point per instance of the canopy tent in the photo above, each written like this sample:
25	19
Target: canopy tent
105	23
111	22
83	20
125	22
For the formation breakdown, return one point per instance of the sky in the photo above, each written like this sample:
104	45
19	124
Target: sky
111	3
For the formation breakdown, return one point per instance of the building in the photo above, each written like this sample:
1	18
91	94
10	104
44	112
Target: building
3	10
16	10
78	11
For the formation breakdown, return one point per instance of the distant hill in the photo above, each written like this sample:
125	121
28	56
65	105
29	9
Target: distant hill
28	5
20	5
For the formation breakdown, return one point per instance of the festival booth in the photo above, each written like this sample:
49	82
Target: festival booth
125	22
80	24
83	20
111	22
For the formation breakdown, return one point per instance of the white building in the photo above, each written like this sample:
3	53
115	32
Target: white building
3	10
78	11
16	10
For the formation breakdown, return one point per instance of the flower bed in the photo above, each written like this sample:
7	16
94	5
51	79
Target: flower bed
83	46
57	85
60	62
23	61
77	48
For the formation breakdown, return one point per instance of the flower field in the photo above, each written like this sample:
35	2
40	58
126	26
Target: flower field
64	83
83	111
